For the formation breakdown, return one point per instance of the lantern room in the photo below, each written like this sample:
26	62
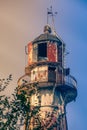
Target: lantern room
46	47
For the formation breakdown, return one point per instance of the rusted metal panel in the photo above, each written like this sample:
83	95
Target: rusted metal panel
39	74
35	52
30	53
42	73
46	97
52	52
34	75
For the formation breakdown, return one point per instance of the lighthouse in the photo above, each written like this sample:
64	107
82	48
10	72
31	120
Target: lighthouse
56	87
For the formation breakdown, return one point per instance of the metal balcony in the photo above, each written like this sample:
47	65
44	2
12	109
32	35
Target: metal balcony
68	88
67	85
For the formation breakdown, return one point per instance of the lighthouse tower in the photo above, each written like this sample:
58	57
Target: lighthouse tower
56	87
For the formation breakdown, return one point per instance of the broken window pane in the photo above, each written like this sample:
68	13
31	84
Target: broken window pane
42	51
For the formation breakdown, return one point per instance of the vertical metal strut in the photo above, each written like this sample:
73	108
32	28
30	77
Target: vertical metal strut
51	14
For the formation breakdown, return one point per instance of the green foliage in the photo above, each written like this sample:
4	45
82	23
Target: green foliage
16	112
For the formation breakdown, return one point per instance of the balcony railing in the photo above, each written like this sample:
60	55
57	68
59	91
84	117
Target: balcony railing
49	76
70	80
53	76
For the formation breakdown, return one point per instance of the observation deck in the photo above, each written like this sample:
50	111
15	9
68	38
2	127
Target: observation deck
67	85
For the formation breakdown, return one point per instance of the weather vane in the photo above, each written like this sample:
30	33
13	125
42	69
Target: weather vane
51	14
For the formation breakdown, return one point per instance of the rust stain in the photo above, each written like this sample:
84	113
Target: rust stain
30	53
52	52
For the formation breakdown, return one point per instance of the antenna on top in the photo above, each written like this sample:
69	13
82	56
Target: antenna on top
51	14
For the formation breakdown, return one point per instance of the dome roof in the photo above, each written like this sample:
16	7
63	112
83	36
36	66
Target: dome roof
47	36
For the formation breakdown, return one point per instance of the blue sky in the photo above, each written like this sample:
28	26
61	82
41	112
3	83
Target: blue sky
23	20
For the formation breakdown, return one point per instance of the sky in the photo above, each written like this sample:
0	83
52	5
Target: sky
23	20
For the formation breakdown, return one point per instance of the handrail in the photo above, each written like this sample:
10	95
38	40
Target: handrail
71	81
49	76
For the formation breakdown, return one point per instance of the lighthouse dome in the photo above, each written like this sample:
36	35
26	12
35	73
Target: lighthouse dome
47	36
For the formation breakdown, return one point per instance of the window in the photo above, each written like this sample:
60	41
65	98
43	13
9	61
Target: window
42	51
52	74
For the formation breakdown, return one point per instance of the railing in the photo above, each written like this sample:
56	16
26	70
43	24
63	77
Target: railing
53	76
49	76
70	80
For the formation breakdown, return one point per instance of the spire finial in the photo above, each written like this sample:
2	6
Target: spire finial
51	14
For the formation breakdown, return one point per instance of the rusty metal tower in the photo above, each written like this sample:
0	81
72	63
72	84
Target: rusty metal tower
56	86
